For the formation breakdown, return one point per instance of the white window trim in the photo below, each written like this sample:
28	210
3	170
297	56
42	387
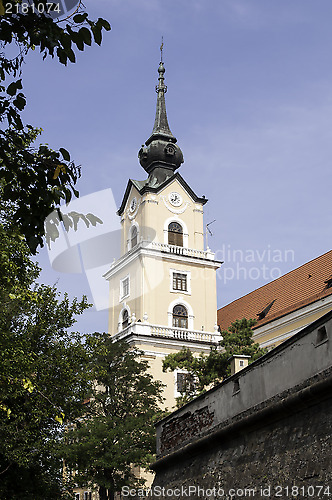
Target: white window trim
122	296
179	271
125	307
180	302
184	227
134	223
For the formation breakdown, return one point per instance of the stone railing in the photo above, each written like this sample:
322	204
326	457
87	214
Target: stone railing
182	333
165	247
139	329
189	252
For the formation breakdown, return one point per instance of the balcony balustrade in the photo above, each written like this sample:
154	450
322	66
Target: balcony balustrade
165	247
144	329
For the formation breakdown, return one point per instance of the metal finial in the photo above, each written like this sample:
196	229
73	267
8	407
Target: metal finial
161	49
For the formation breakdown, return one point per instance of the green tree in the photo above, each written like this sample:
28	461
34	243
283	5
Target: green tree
117	432
43	372
36	179
208	370
43	367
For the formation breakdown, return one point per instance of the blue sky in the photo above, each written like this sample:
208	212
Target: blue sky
249	100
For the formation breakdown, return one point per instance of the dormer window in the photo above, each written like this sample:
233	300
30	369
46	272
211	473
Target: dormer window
263	313
328	282
175	234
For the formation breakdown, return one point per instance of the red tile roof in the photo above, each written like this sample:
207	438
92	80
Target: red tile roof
298	288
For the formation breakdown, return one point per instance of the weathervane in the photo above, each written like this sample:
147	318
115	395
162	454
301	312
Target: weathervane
161	49
208	230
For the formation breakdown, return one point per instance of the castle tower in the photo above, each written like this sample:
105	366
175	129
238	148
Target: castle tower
163	286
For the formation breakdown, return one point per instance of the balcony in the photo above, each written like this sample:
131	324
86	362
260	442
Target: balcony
165	247
189	252
164	332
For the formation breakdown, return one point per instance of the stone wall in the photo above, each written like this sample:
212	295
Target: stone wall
263	433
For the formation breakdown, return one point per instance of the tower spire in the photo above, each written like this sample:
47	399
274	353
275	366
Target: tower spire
161	123
160	150
161	49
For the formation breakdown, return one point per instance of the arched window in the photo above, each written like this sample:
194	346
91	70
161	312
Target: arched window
125	319
180	317
133	237
175	234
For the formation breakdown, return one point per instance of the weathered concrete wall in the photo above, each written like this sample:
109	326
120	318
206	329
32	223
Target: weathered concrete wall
268	426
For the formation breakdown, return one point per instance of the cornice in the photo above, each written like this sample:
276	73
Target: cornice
159	254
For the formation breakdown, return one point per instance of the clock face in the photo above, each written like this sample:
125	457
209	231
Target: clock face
175	199
133	205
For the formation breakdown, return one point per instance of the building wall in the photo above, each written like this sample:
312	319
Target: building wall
272	334
268	425
154	210
155	355
150	267
289	458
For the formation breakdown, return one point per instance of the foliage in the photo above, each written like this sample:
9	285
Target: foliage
211	369
36	179
43	375
117	432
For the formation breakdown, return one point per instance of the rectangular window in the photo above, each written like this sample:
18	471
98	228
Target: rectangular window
77	496
124	287
87	495
180	282
184	381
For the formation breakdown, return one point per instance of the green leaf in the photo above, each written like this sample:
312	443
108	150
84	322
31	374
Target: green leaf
62	56
66	41
59	168
96	30
65	154
80	18
60	419
71	55
13	87
67	194
85	35
105	24
93	219
27	384
20	102
79	43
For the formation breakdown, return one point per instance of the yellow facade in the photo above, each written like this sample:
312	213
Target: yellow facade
142	280
281	329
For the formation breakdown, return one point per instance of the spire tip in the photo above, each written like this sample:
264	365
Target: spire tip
161	49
